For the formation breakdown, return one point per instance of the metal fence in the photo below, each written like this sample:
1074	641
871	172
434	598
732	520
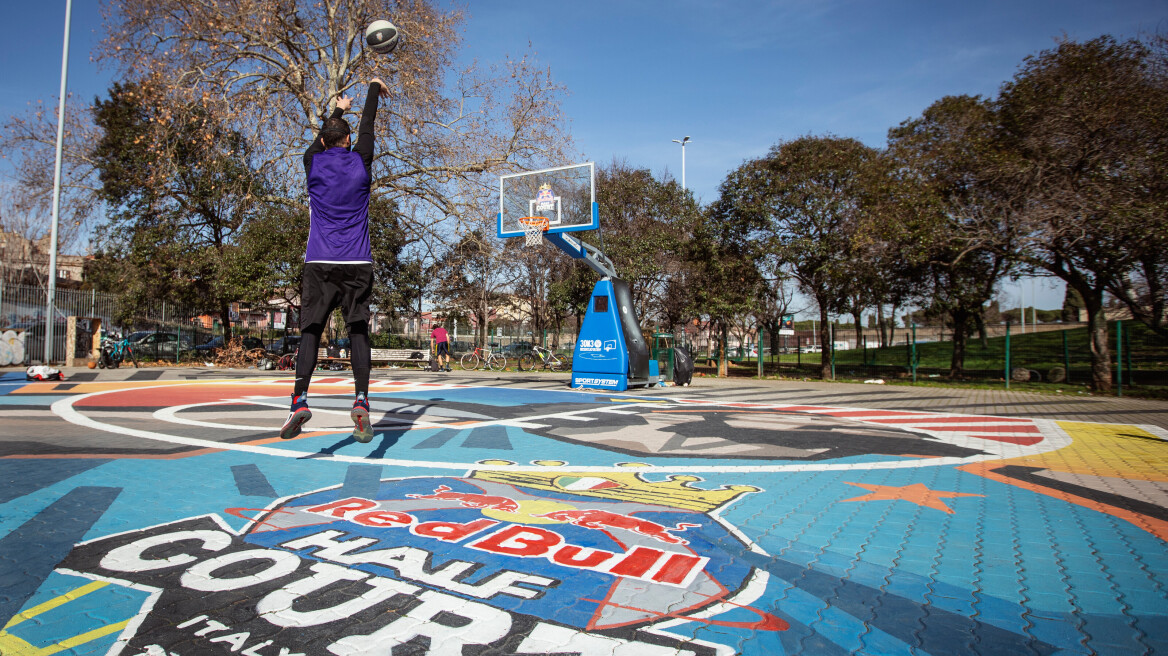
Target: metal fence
172	334
22	319
23	309
1054	353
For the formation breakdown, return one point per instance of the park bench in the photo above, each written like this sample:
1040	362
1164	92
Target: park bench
380	355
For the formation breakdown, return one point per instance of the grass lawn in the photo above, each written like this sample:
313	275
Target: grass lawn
1145	356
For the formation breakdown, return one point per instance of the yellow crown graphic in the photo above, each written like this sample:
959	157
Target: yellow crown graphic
545	186
676	491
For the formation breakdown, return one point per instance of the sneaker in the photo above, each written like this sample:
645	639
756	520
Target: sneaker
362	430
448	369
299	416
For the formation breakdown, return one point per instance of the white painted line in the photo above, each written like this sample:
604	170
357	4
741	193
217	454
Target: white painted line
23	413
1055	439
519	424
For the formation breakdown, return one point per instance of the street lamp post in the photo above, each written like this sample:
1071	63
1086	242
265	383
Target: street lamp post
52	288
683	142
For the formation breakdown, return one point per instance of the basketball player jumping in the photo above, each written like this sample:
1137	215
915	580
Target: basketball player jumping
338	262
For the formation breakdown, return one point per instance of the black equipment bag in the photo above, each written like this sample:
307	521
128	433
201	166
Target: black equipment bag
682	366
435	365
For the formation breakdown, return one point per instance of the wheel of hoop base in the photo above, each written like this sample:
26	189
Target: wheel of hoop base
533	228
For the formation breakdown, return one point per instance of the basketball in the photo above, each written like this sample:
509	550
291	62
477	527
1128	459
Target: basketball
382	37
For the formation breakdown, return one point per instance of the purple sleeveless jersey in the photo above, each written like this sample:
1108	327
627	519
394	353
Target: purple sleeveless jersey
338	192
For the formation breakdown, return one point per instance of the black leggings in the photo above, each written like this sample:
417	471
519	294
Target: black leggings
359	356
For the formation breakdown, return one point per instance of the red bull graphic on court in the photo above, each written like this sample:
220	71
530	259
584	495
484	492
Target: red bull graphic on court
143	518
603	519
470	500
494	561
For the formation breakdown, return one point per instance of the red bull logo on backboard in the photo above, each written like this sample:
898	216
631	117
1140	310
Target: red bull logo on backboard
545	199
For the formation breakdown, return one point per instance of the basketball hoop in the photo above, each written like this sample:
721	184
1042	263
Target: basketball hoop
533	228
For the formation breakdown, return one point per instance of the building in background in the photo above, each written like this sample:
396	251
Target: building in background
25	261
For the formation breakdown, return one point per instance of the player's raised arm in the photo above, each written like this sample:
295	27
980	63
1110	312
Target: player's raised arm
364	145
317	143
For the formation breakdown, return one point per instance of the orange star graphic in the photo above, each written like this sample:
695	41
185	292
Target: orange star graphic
916	493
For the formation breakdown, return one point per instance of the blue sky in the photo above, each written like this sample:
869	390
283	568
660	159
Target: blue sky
737	77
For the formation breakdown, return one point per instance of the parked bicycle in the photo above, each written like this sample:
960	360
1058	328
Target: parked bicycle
114	352
480	356
541	355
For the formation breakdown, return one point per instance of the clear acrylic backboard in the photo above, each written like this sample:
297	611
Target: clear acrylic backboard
565	195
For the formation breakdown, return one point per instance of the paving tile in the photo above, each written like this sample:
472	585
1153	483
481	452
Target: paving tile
1038	562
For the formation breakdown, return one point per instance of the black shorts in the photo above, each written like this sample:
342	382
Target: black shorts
329	286
443	348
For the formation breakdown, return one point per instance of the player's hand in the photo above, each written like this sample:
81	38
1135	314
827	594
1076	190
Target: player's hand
384	88
344	102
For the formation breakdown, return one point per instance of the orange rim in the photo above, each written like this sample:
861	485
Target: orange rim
540	222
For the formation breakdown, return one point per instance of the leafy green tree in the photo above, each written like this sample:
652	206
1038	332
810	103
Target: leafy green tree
1145	289
398	275
269	262
1083	165
179	186
948	152
723	281
646	221
569	291
804	203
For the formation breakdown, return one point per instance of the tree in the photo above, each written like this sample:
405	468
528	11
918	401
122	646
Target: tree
28	199
271	68
534	268
179	187
958	238
722	279
804	202
472	275
24	236
270	258
1145	289
1072	304
398	277
1076	160
771	304
570	290
645	223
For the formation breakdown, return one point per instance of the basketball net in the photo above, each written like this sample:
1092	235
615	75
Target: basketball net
533	229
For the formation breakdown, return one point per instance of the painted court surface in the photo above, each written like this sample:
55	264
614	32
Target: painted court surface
154	512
